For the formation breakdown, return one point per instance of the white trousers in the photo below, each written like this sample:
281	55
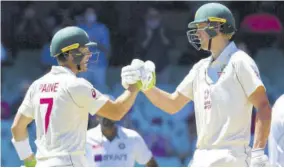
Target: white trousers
226	157
63	161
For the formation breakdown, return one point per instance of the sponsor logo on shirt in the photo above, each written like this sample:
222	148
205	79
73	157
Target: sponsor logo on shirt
222	70
94	94
207	99
121	146
110	157
96	146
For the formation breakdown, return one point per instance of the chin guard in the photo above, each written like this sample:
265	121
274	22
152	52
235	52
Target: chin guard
193	39
78	56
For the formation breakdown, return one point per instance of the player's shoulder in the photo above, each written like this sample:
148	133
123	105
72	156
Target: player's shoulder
280	99
201	63
129	133
34	84
78	84
278	106
241	57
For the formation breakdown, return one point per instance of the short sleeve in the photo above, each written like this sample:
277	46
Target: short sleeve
248	75
86	96
276	136
276	143
186	86
26	108
143	153
89	154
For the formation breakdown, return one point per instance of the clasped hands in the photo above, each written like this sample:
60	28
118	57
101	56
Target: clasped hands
139	73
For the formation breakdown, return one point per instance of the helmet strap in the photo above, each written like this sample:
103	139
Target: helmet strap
211	33
209	44
78	67
77	58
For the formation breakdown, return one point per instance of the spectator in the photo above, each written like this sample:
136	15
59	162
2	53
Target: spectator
29	31
46	60
99	33
153	42
50	23
65	17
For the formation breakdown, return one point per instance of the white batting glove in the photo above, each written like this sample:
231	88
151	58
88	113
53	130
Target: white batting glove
148	76
137	64
131	74
259	159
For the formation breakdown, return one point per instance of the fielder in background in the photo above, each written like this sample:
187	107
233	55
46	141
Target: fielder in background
224	87
111	145
59	102
276	137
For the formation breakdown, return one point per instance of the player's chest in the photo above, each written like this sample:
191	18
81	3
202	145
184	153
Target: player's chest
220	84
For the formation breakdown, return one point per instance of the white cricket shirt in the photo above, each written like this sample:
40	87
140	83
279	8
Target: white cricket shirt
220	92
59	102
276	136
122	151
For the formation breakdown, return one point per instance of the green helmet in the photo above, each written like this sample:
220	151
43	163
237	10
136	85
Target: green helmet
69	38
213	14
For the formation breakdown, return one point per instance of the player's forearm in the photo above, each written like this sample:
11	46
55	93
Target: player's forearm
262	127
19	133
162	100
125	101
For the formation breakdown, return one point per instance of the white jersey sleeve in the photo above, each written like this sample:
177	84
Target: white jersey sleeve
26	108
276	136
89	155
247	73
86	96
186	86
142	152
276	145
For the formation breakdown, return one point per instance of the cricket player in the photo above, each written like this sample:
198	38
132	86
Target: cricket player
111	145
276	137
224	87
59	102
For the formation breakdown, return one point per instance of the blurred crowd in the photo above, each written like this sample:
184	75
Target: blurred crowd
126	30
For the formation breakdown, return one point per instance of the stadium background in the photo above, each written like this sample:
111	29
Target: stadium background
126	30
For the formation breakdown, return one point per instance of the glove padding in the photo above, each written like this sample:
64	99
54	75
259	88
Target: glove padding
259	159
148	76
131	74
30	163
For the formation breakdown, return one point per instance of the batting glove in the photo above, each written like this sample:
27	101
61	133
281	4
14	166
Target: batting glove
131	74
148	76
259	159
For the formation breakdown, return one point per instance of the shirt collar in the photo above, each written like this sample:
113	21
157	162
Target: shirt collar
61	69
225	55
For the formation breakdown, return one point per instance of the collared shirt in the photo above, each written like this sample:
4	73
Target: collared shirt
276	136
222	109
126	148
59	102
217	66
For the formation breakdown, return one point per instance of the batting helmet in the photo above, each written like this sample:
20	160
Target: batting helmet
214	14
70	38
